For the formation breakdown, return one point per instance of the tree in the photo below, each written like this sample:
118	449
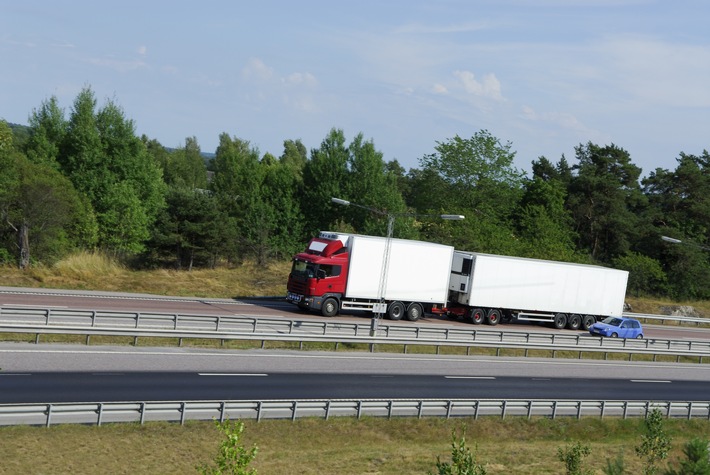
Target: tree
474	177
324	177
604	199
697	461
646	275
48	130
655	443
233	457
572	457
463	459
40	206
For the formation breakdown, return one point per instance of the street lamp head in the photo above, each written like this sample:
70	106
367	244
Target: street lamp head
452	217
670	239
340	202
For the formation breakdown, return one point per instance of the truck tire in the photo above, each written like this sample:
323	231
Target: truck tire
477	316
587	322
574	321
415	312
329	307
560	321
395	311
493	316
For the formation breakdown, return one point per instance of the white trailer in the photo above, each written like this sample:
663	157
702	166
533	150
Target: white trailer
416	271
494	288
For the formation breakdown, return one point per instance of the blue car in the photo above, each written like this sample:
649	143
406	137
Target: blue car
617	327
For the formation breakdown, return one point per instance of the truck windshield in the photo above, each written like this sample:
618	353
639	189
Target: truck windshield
304	269
307	269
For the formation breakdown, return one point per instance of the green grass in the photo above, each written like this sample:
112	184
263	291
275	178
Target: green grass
342	445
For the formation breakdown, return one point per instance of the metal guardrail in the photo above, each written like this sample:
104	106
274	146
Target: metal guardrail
181	411
135	324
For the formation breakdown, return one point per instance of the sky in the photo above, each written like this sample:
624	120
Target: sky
544	76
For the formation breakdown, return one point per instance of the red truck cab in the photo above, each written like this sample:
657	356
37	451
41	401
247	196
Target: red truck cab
319	274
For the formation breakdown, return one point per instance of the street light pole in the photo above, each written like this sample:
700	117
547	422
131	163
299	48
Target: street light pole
381	306
678	241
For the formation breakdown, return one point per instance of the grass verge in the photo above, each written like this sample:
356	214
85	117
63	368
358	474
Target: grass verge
341	445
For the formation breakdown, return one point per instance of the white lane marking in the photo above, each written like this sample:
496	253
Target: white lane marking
650	381
232	374
12	305
15	374
469	377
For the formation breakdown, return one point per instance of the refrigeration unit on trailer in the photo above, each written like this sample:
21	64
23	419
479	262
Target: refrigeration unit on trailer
492	288
340	271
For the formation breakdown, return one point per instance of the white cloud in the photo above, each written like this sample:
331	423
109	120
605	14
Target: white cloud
300	79
440	89
256	69
142	50
489	87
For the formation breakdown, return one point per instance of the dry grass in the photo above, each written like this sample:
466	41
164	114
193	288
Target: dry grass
343	445
94	271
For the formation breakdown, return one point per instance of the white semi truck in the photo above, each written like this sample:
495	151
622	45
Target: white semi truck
492	288
405	278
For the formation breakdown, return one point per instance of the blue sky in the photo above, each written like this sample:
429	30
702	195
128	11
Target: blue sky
544	75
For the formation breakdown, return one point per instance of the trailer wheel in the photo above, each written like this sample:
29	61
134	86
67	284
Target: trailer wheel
329	308
574	322
493	317
477	316
560	321
395	311
414	312
587	322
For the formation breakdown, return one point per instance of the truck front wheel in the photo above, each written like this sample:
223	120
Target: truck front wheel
329	308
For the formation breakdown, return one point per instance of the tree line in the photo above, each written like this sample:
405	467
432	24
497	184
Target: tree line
83	179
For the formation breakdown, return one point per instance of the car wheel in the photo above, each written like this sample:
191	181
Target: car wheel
615	335
639	336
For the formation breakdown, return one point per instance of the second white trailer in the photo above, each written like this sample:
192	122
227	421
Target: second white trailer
494	288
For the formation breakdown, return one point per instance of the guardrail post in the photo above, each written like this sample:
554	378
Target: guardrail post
293	410
258	411
530	410
449	407
46	314
222	406
182	413
142	410
327	409
93	318
138	317
217	322
690	410
601	416
420	408
503	408
37	339
175	321
359	409
475	411
390	404
579	409
554	409
100	413
405	348
49	415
